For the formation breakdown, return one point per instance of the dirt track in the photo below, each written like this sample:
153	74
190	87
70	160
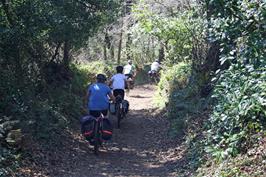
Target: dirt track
140	148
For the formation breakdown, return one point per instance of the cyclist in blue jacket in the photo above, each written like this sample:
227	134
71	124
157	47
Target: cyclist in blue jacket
97	97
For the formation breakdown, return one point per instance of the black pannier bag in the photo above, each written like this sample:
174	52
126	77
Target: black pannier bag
107	129
87	127
125	105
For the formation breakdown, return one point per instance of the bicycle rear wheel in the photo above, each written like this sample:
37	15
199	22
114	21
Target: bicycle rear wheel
118	115
96	139
156	79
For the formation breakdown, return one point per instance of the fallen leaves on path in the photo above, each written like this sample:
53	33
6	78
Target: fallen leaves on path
141	147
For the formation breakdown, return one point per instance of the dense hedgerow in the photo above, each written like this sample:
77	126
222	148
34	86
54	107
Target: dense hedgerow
172	92
44	111
172	78
239	112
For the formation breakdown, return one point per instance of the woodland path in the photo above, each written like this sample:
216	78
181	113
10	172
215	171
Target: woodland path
140	148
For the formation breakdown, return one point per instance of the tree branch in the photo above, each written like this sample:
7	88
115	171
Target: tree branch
56	51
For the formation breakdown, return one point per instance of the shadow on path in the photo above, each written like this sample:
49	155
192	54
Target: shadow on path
141	147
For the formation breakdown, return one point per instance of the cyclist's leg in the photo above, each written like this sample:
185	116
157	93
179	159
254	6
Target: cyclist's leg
104	112
129	77
131	81
120	92
116	92
95	113
98	113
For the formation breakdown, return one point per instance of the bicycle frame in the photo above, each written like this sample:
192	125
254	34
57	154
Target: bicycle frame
154	76
119	110
97	136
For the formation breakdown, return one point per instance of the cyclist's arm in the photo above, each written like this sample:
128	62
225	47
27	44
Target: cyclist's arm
134	71
110	82
111	96
161	67
86	100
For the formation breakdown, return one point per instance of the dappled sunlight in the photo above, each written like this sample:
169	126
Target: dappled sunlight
141	147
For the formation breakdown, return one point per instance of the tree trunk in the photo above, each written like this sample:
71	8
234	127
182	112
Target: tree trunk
9	14
211	63
161	52
129	4
56	53
147	51
105	52
128	49
153	48
212	60
112	52
107	44
18	60
120	44
66	57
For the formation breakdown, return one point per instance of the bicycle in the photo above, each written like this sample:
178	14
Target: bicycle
130	81
97	139
154	76
120	110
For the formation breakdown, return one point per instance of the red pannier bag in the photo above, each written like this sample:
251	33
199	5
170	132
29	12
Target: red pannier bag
107	129
87	127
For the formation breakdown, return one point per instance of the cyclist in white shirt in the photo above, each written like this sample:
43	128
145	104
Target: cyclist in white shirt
155	66
129	70
118	82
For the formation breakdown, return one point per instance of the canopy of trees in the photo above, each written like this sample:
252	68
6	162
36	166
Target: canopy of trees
38	36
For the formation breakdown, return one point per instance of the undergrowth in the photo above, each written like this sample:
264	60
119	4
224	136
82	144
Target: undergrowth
239	93
45	111
233	134
172	78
